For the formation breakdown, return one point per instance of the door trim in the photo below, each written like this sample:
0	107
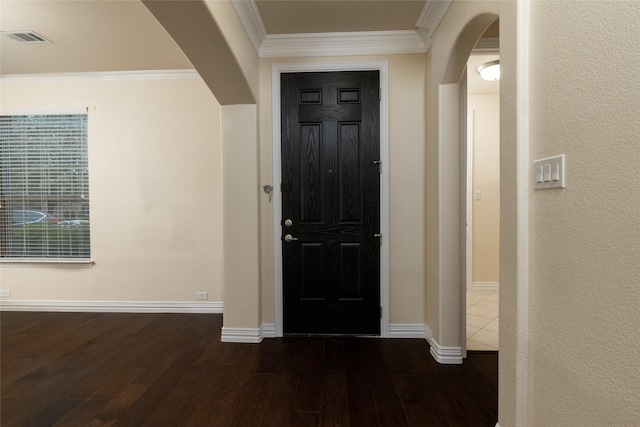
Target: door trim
277	70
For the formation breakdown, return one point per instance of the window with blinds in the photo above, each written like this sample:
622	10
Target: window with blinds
44	187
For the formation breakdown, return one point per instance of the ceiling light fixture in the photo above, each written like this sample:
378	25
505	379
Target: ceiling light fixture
490	71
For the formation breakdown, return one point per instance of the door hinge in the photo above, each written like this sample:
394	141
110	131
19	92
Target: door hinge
379	237
380	311
379	94
379	163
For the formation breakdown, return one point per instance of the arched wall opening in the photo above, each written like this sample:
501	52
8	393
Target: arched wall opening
451	190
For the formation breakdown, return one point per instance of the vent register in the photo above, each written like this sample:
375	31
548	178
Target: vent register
25	36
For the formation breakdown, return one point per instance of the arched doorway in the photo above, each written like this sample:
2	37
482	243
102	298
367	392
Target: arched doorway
452	187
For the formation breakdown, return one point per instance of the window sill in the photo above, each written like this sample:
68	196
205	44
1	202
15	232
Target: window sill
36	262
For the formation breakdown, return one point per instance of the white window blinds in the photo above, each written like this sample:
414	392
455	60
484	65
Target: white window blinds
44	187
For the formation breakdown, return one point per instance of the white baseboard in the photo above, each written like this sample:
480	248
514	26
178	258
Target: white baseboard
241	335
268	330
485	286
444	355
214	307
248	335
409	330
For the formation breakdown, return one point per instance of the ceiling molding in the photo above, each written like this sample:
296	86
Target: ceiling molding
432	14
247	11
108	75
487	46
340	44
334	44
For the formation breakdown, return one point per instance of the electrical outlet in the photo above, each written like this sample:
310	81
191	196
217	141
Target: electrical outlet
202	295
5	293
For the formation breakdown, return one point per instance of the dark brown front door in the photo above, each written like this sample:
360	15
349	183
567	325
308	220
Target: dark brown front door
331	202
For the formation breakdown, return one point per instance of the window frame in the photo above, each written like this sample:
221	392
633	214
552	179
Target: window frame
52	261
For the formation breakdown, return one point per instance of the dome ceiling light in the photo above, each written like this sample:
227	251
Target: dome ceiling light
490	71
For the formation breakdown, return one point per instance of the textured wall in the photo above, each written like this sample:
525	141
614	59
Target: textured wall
585	240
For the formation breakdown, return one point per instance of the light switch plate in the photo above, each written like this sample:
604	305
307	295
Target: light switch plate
548	173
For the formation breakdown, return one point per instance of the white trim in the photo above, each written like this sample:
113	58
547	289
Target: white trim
485	286
8	262
249	15
432	14
342	44
469	196
268	330
241	335
383	67
215	307
104	76
446	355
46	111
409	330
487	46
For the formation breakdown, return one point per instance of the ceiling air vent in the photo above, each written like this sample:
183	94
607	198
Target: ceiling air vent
25	36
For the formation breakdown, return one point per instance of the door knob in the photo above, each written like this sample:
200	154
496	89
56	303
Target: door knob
289	238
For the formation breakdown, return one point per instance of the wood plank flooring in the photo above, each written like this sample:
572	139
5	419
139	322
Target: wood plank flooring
106	369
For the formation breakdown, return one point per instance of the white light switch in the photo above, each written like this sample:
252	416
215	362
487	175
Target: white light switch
548	173
476	194
539	174
555	175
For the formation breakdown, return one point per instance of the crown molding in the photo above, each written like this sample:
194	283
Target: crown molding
107	75
432	14
487	46
334	44
340	44
249	15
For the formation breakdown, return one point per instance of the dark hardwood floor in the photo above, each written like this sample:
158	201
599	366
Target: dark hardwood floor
102	369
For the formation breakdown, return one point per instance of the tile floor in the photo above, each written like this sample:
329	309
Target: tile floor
482	320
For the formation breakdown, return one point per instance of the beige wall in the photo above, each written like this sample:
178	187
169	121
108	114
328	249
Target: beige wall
241	218
452	43
569	264
155	183
406	180
486	179
585	243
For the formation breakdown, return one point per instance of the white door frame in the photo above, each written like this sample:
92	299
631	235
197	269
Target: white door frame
277	70
469	196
